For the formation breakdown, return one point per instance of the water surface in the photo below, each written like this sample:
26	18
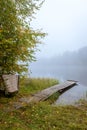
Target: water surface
73	95
63	73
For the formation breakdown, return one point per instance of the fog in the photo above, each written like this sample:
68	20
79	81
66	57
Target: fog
69	65
64	52
65	21
68	58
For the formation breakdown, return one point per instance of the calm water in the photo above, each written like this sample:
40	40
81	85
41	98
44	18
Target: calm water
73	95
64	73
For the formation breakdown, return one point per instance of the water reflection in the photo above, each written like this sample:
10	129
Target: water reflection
72	95
63	73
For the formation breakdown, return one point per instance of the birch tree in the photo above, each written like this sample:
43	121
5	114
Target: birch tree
18	40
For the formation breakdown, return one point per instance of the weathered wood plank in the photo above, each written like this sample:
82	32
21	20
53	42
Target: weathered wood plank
44	94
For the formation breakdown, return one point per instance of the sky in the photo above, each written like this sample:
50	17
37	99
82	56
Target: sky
65	21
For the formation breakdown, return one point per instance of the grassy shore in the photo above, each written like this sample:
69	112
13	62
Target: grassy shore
41	116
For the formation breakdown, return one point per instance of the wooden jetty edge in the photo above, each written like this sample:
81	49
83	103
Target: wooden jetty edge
44	94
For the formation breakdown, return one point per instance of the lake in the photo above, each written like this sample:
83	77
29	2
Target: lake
63	73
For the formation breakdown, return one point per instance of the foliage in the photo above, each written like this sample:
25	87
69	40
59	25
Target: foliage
18	41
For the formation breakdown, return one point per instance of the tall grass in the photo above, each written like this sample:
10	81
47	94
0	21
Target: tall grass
33	85
27	87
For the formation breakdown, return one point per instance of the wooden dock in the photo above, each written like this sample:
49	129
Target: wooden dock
44	94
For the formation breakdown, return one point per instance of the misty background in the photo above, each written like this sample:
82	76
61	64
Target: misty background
70	65
65	21
63	54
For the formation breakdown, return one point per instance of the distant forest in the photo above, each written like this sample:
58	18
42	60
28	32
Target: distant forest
75	58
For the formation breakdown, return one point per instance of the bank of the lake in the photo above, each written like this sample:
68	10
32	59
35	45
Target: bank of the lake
43	115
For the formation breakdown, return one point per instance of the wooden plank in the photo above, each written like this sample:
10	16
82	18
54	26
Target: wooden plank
44	94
